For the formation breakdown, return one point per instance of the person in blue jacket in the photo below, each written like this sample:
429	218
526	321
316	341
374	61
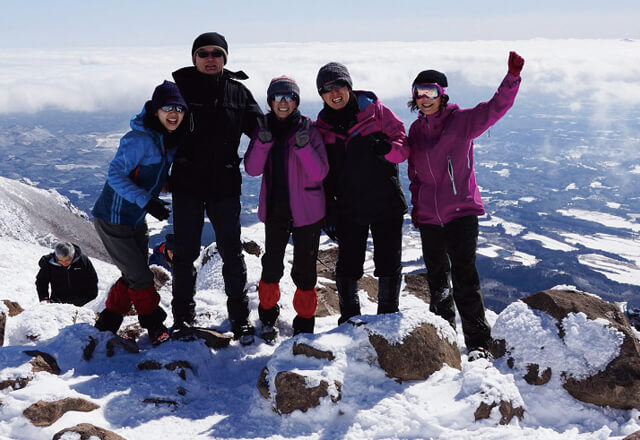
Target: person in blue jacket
135	179
163	253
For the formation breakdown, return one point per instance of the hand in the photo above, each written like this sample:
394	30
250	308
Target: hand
515	63
158	208
264	134
379	142
302	136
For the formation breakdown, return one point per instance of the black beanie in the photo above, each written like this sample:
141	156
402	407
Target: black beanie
166	93
431	76
210	39
332	72
283	85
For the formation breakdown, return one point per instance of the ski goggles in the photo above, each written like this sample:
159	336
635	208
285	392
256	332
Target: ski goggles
288	97
172	108
333	85
216	53
430	91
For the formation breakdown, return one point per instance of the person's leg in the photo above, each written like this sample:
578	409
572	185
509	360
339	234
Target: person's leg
306	240
351	255
462	240
188	219
387	256
434	252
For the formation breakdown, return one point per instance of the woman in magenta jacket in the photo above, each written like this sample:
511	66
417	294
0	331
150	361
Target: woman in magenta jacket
445	196
290	155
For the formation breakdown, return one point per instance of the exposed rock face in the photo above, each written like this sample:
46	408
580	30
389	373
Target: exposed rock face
43	362
617	385
506	409
309	351
14	307
634	436
251	247
419	355
44	413
293	393
263	383
87	431
3	324
211	338
15	384
416	284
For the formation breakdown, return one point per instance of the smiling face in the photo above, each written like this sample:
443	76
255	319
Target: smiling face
429	106
337	98
209	64
283	108
170	120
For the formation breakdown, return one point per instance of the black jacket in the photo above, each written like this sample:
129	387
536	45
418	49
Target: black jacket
75	284
221	109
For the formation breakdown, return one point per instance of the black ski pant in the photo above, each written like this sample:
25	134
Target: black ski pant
450	250
188	221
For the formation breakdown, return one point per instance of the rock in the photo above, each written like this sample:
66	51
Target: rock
370	285
87	431
14	307
263	384
43	362
129	345
44	413
418	356
506	410
293	393
212	338
307	350
251	247
150	365
157	402
326	262
182	366
328	302
533	376
3	323
634	436
15	384
417	285
161	276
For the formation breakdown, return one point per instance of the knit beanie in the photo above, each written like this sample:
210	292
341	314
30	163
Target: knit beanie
283	85
166	93
64	249
210	39
332	72
431	76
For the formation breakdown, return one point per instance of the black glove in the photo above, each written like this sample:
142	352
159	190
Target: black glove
302	136
158	208
264	134
380	143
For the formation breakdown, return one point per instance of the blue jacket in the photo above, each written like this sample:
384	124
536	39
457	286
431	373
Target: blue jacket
136	174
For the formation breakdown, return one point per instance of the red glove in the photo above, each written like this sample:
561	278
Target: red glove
515	63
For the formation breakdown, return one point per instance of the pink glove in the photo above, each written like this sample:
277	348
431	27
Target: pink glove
515	63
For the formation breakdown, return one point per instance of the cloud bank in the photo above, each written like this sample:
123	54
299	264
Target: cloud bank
578	73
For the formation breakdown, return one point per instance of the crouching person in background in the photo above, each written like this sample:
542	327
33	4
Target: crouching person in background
135	178
71	275
292	159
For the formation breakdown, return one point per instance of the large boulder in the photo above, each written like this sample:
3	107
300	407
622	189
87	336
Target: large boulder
575	338
44	413
88	431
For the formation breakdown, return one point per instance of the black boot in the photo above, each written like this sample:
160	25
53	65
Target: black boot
153	319
441	303
389	293
269	316
303	325
348	296
109	321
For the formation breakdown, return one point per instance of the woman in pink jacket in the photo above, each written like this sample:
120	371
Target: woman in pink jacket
290	155
445	196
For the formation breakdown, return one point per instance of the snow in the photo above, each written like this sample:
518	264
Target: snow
549	243
609	220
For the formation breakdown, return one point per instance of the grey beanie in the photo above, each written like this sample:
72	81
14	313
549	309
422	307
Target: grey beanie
64	249
332	72
283	85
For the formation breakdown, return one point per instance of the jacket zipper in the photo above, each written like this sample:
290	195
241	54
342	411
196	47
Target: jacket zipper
453	180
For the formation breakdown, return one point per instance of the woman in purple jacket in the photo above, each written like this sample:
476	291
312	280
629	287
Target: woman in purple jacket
445	196
292	159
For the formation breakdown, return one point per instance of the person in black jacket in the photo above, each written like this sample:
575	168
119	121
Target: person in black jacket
206	179
71	275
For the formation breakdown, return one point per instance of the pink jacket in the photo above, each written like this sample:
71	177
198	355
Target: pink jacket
443	182
306	168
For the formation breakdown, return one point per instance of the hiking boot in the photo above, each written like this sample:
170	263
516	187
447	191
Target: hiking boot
269	333
479	353
243	333
158	335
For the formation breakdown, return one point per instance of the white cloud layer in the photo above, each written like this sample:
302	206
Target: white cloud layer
577	73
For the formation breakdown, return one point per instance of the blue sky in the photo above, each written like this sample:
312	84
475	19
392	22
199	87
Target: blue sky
65	23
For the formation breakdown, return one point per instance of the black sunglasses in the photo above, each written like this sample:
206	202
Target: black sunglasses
172	108
333	85
216	53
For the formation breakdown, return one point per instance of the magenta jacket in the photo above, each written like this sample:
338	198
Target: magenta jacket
306	167
443	182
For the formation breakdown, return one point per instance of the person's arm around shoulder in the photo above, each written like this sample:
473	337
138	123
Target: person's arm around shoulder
311	151
251	114
393	127
478	119
255	159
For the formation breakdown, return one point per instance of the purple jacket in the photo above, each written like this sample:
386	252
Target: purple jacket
443	182
306	168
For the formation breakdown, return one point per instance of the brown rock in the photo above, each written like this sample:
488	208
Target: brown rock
292	393
15	384
263	384
211	338
618	386
44	413
533	376
634	436
416	284
251	247
3	324
86	431
370	285
506	409
326	262
418	356
150	365
160	276
43	362
328	302
157	401
309	351
14	307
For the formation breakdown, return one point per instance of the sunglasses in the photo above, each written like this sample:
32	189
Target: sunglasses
172	108
334	85
430	91
289	97
216	53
